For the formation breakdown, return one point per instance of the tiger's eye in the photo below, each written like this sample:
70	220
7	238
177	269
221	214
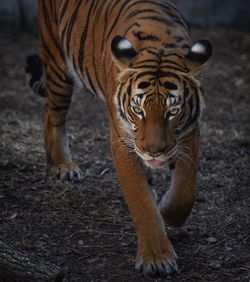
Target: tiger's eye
137	110
174	111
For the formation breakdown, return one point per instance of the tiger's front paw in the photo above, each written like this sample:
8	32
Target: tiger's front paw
157	260
66	171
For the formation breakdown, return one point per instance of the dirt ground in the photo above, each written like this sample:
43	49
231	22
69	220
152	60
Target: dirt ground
85	228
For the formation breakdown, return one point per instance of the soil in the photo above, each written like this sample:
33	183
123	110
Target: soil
85	228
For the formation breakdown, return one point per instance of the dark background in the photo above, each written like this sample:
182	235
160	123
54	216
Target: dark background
21	14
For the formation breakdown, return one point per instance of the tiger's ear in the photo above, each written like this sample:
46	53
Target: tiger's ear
198	57
123	52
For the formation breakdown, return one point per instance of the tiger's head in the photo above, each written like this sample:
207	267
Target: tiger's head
159	97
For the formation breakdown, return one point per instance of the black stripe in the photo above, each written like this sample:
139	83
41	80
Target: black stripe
168	32
138	12
155	53
99	12
117	18
166	7
171	62
58	109
90	80
46	17
107	13
149	98
144	85
139	35
53	9
185	46
130	27
49	29
190	102
119	102
170	45
144	2
181	16
179	38
177	18
172	68
94	58
71	24
66	97
129	89
63	34
158	74
54	107
52	60
76	69
163	68
64	78
175	55
171	86
182	114
158	19
145	62
186	90
53	81
83	37
63	10
183	24
195	116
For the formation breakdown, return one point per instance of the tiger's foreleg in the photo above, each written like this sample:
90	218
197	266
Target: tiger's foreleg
177	203
59	89
155	252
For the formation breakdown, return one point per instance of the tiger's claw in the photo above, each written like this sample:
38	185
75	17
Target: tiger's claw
66	172
157	265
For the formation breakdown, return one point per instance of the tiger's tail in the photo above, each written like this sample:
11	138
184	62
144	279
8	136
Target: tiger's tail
34	72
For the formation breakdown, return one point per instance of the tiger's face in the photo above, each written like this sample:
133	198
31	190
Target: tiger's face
158	99
151	109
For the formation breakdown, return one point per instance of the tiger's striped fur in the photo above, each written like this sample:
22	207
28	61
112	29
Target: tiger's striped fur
138	57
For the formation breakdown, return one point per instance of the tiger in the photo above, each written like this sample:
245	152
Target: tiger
139	58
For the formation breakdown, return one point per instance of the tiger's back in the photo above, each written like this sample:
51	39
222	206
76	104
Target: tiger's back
84	30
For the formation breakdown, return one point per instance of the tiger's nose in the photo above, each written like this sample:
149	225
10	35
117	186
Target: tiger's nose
154	149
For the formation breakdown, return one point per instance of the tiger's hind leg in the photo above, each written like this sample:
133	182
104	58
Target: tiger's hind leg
59	89
177	203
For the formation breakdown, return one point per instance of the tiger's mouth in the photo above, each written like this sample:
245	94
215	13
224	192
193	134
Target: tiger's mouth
155	163
150	161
